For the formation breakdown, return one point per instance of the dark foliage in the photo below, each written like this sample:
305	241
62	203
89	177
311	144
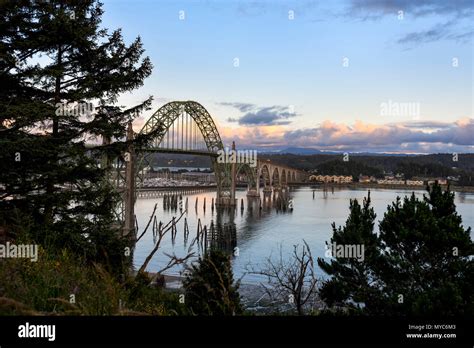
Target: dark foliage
419	264
210	288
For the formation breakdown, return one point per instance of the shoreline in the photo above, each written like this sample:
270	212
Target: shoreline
253	296
464	189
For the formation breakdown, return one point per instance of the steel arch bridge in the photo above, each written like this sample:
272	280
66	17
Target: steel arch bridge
186	127
173	120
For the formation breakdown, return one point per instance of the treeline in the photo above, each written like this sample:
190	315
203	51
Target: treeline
352	168
175	160
435	165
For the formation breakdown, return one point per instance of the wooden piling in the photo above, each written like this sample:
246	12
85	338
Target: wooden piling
154	227
174	231
186	231
199	227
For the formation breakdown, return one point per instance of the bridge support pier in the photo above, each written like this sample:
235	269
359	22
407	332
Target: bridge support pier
267	193
253	193
226	201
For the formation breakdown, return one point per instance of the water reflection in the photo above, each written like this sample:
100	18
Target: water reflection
224	231
262	227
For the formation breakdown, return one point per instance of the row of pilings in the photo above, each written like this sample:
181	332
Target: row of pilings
150	192
174	202
278	199
217	235
325	191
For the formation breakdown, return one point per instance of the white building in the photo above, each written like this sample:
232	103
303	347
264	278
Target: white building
338	179
414	182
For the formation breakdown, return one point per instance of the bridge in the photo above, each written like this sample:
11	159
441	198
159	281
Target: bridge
185	127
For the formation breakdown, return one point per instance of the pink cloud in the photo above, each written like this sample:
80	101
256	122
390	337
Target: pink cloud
361	136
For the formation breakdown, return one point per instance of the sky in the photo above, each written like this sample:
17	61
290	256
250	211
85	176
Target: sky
390	76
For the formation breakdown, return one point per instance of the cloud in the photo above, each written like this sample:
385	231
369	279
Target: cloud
434	34
366	136
462	37
425	124
453	11
437	32
262	116
408	137
242	107
373	9
253	137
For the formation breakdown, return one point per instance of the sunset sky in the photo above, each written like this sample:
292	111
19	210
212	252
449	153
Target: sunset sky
368	75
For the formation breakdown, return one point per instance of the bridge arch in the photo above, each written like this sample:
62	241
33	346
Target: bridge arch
276	177
264	173
249	172
163	120
284	180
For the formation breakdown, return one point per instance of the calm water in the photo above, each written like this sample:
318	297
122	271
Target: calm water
262	234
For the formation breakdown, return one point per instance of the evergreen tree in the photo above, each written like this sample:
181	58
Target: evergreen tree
426	267
55	62
351	280
209	286
419	264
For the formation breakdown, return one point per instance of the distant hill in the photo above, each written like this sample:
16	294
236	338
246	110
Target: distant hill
294	151
177	160
313	151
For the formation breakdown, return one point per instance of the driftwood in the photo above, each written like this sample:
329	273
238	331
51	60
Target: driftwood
149	221
295	278
161	233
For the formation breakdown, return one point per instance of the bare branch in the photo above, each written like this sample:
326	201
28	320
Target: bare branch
149	221
295	277
161	233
